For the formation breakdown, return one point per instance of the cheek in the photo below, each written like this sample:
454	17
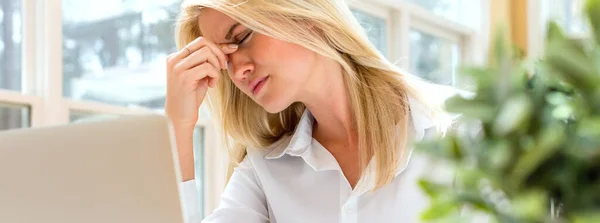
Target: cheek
289	62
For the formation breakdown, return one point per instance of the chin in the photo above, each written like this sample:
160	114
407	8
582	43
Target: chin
274	109
274	106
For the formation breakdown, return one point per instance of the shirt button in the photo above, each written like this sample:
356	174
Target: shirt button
347	209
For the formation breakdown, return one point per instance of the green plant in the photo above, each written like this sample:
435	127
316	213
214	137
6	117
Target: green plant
537	136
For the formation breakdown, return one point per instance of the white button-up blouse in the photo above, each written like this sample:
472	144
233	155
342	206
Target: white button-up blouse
298	180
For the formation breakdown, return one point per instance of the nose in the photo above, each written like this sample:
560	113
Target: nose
241	66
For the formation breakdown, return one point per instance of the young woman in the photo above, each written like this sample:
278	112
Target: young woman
320	124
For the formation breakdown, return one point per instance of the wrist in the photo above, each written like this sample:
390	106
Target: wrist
185	126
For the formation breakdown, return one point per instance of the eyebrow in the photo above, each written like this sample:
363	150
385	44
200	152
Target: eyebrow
230	32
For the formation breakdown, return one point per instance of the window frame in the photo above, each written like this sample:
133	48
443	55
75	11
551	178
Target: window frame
404	16
42	70
379	12
537	29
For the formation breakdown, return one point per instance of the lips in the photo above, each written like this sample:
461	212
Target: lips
255	83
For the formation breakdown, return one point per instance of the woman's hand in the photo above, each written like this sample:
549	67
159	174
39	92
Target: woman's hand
190	72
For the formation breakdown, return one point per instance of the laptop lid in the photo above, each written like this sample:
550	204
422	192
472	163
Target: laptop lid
121	170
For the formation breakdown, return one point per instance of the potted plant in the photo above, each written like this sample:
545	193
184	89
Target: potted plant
528	145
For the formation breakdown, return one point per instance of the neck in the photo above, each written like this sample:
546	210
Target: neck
327	99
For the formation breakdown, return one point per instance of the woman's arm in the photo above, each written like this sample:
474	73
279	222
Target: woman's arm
188	188
243	199
184	138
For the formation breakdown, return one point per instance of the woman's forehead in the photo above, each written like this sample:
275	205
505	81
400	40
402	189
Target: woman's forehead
215	25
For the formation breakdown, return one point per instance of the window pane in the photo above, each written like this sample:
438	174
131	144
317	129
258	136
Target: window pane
14	117
10	44
568	13
433	58
466	12
376	29
114	52
199	164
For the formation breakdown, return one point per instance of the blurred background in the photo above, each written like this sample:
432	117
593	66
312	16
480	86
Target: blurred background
65	61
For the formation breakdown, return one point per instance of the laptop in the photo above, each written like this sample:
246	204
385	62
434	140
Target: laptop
120	170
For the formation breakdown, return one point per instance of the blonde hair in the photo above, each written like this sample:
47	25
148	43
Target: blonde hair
378	90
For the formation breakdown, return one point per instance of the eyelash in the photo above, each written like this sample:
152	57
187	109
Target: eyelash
249	33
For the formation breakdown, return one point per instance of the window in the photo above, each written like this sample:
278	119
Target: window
466	12
114	52
433	58
375	28
568	13
13	117
10	44
199	164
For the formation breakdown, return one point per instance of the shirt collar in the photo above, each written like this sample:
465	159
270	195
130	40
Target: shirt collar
301	140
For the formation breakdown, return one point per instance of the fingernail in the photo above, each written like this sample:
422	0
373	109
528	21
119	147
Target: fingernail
233	46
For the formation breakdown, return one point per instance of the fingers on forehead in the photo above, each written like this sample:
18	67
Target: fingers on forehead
198	43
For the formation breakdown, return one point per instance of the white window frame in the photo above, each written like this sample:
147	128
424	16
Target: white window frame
403	16
43	79
380	12
536	29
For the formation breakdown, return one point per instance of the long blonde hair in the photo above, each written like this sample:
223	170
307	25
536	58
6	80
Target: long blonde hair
378	90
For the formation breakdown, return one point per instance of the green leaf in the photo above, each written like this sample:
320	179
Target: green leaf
592	8
550	139
591	217
500	155
439	148
431	189
530	205
484	111
563	112
440	209
474	199
468	177
515	114
572	65
501	51
481	76
554	32
557	98
589	127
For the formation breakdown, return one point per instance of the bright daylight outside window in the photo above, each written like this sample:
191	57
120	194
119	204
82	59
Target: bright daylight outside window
437	59
114	52
376	29
568	13
465	12
433	58
11	116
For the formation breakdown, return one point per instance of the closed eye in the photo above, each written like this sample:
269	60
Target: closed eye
245	36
